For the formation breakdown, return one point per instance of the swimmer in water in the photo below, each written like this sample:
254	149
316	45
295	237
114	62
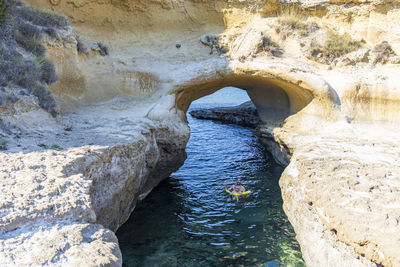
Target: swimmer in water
235	188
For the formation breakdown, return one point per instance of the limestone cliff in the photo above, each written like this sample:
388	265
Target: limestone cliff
328	70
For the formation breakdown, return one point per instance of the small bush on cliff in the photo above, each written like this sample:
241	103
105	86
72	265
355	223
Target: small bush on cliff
3	144
31	45
44	18
338	45
103	49
382	52
56	147
14	69
291	16
29	31
3	9
47	71
267	45
23	28
46	99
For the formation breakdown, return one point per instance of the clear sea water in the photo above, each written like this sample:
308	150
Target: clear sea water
189	219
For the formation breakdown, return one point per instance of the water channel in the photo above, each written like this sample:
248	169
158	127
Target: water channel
189	220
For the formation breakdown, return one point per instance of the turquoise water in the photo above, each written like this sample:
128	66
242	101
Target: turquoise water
189	220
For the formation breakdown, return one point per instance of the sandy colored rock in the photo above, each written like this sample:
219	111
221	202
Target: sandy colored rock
358	185
68	182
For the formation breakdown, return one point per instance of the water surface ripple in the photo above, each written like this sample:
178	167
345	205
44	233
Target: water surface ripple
189	220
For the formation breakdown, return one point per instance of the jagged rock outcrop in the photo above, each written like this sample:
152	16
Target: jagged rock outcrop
245	114
128	73
68	197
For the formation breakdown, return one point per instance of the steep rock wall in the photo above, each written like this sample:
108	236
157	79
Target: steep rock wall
140	51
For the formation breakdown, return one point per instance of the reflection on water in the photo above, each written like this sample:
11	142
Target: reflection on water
189	220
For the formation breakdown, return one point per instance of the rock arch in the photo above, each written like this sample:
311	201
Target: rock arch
277	93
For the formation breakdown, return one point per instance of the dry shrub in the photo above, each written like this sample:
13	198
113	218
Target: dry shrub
338	45
48	71
22	27
44	18
270	47
292	17
31	45
3	10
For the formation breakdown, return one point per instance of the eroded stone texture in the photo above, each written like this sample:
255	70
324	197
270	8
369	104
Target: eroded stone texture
65	243
347	196
70	195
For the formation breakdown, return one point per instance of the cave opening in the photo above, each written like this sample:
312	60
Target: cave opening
189	220
274	97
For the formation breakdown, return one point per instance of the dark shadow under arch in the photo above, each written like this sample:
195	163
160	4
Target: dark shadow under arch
274	98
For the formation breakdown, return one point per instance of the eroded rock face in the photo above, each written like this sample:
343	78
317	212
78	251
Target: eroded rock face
123	128
75	193
355	214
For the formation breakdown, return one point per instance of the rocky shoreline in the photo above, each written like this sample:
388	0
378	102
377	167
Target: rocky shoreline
310	161
244	114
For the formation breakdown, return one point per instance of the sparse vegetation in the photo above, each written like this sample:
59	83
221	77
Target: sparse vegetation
3	144
338	45
80	45
214	43
56	147
85	46
103	49
39	17
382	52
23	27
48	71
269	46
29	31
43	146
3	10
31	45
335	46
14	69
293	18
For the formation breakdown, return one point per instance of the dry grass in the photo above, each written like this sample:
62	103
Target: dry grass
338	45
267	45
335	46
292	17
40	17
23	27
